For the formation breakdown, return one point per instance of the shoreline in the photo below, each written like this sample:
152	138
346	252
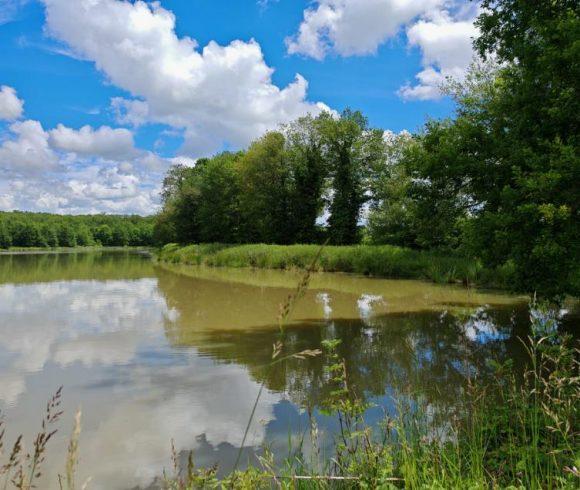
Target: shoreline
376	261
65	250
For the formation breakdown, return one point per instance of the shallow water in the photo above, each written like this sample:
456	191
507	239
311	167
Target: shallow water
152	354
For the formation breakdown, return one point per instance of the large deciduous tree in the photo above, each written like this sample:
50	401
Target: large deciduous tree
350	149
530	177
264	183
218	208
308	174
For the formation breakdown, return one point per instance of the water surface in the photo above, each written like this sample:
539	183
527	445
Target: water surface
152	354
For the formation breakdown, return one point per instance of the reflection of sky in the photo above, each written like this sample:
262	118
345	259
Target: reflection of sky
104	341
107	343
480	328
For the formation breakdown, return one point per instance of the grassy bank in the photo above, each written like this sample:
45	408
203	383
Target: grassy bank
381	261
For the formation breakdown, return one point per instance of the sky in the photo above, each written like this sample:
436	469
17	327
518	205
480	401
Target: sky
98	98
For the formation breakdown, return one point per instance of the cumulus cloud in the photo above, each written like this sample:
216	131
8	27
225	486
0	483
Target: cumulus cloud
91	186
442	29
447	50
11	107
107	142
27	150
216	94
86	170
353	27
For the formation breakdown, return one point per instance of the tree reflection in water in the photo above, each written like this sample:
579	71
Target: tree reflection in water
427	353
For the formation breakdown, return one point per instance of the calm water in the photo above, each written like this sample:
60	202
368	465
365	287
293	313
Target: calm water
152	354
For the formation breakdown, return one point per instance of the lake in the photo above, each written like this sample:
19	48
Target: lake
152	354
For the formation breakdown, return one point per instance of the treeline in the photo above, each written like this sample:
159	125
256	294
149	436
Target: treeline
275	191
22	229
498	181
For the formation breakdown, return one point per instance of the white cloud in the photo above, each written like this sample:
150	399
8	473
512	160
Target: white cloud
86	186
88	170
354	27
447	50
27	150
442	29
107	142
11	107
217	94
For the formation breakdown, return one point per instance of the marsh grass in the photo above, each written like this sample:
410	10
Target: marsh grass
24	468
382	261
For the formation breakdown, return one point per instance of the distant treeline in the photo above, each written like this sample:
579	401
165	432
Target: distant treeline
22	229
497	182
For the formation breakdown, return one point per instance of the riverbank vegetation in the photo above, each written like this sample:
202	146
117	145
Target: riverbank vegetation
497	183
382	260
42	230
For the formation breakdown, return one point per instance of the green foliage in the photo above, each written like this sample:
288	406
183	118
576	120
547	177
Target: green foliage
393	218
350	149
530	115
5	235
180	195
218	211
274	192
264	180
384	261
308	173
20	229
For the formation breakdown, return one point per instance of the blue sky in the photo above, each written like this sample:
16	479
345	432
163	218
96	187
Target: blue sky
99	97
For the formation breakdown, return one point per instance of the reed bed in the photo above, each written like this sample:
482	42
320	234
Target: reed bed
381	261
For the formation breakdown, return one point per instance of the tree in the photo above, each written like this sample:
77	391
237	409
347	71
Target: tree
264	182
67	236
164	228
104	235
26	229
120	235
530	193
50	235
350	149
5	236
392	216
218	209
441	193
84	236
180	197
308	173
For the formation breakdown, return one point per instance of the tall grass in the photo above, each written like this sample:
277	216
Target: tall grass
383	261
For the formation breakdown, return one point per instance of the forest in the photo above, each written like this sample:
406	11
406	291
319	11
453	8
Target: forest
22	229
498	181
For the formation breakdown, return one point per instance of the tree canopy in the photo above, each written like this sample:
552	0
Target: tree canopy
22	229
